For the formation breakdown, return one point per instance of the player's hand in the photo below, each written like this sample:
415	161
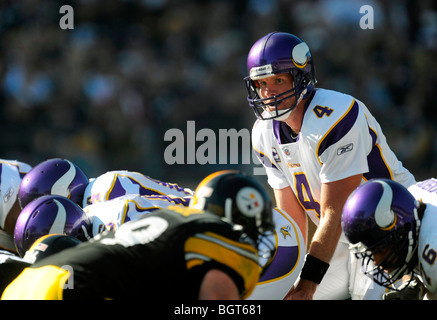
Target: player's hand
410	290
304	290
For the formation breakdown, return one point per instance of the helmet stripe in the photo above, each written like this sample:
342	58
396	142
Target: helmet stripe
61	186
384	215
58	225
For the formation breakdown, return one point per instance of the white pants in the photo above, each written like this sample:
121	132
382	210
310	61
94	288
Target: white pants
345	279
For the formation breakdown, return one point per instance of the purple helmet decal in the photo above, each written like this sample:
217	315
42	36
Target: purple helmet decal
50	214
53	176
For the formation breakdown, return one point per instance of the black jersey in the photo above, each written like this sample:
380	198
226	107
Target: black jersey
10	267
161	255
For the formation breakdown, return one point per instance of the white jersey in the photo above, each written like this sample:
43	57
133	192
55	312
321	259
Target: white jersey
22	168
11	174
114	184
426	191
339	138
111	214
285	268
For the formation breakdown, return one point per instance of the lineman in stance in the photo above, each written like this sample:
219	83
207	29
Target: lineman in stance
395	233
185	252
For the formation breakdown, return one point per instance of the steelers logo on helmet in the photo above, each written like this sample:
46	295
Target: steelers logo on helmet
249	201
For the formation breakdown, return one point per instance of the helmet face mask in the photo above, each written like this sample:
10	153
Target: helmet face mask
273	54
391	264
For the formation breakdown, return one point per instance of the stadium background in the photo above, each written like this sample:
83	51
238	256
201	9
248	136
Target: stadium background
104	93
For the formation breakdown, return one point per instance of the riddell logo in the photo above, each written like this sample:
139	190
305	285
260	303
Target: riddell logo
231	147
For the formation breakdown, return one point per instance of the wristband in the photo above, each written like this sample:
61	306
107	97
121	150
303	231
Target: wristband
314	269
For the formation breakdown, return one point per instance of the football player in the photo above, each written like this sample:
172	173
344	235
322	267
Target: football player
11	173
317	146
394	231
12	265
53	177
287	262
111	214
50	214
113	184
54	214
288	239
174	253
63	177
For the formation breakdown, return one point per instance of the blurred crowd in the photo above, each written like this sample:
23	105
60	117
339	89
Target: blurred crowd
104	93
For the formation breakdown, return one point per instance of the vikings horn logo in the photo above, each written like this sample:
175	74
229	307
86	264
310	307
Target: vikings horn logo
285	231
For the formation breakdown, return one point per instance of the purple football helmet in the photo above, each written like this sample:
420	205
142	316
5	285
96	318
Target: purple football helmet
50	214
382	217
275	53
53	176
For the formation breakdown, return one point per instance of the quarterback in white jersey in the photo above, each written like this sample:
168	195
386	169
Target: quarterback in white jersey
111	214
331	146
114	184
11	174
317	146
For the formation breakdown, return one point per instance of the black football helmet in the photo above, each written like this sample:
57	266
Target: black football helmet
48	245
240	200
